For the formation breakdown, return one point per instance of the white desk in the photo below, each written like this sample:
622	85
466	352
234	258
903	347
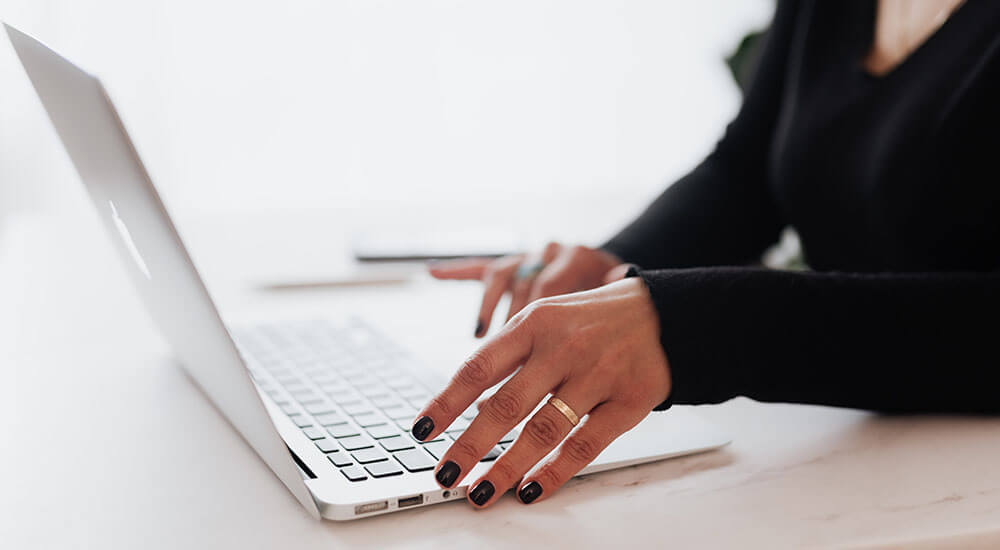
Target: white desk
108	445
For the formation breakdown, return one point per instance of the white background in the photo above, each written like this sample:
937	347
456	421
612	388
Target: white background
325	105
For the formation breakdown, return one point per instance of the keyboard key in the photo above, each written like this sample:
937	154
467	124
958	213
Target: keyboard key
383	469
324	378
402	411
383	430
327	445
320	408
413	392
313	432
385	401
438	438
357	377
511	436
415	460
405	424
308	398
301	421
355	442
401	383
279	399
333	387
459	425
365	381
492	455
329	419
342	430
369	420
373	390
289	408
367	456
357	407
397	443
419	402
340	459
346	397
437	448
354	473
470	413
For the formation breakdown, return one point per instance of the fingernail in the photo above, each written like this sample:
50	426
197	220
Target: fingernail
423	428
482	492
448	474
530	492
479	328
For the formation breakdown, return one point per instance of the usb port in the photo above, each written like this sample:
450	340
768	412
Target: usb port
370	507
411	501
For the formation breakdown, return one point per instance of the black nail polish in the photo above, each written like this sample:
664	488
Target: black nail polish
482	492
448	474
423	428
479	328
530	492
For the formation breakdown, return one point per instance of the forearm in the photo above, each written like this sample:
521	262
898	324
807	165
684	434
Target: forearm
705	219
890	342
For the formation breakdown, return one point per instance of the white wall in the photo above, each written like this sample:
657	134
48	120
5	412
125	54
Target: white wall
322	104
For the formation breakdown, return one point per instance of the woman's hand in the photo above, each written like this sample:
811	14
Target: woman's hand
557	270
598	351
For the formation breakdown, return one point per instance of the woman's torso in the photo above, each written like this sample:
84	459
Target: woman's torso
897	172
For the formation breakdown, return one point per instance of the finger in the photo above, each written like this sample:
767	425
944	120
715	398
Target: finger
519	296
617	273
497	280
553	280
467	268
485	368
497	416
541	434
604	424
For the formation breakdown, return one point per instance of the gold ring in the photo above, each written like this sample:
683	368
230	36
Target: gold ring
562	407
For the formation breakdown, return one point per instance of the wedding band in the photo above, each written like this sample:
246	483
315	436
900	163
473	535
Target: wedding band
562	407
528	270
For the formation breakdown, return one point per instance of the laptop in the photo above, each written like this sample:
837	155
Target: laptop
327	404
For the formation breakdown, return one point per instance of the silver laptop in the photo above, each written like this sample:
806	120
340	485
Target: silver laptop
328	405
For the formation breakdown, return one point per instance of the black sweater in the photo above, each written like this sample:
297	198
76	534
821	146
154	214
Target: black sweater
892	185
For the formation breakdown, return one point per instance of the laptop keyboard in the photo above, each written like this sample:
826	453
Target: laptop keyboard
349	391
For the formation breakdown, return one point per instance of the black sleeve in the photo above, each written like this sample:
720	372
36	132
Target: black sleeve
722	212
887	342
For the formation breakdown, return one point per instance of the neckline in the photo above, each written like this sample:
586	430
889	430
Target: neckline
868	41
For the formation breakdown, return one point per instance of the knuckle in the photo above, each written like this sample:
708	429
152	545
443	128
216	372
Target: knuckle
477	371
549	477
502	470
548	286
462	451
441	404
504	407
542	431
578	251
581	449
542	311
